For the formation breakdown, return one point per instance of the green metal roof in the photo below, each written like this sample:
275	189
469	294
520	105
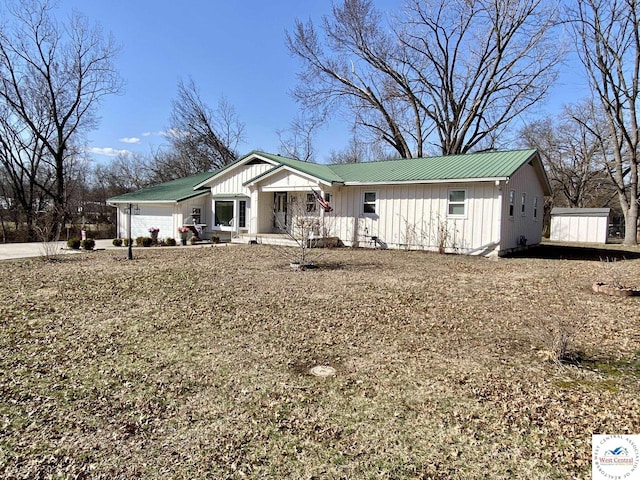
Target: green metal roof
471	166
453	167
488	165
173	191
317	170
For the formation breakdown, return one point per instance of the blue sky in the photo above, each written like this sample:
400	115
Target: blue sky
231	49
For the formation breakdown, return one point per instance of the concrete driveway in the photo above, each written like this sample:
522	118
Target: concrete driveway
10	251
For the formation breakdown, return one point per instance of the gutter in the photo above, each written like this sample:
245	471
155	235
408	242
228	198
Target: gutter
422	182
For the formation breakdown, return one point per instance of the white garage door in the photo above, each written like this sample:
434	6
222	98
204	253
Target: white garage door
159	217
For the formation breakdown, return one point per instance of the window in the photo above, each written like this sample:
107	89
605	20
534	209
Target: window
224	213
512	199
457	203
370	203
535	208
327	197
242	214
523	206
311	203
196	214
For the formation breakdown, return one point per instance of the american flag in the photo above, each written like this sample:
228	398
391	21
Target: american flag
323	203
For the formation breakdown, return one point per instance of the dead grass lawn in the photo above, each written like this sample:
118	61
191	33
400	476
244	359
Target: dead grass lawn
193	363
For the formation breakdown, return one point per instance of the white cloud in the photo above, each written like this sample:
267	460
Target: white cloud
147	134
130	140
173	133
108	151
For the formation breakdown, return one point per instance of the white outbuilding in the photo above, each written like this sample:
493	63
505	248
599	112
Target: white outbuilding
585	225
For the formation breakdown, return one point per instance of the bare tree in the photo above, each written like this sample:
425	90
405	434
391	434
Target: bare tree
297	140
125	173
26	176
574	155
53	77
357	151
607	34
452	74
202	139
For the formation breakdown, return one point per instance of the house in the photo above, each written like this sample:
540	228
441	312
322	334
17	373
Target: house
481	203
166	207
589	225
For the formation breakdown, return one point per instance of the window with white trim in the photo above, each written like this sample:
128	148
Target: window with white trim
457	203
242	214
512	200
523	205
311	203
230	214
224	213
370	203
535	208
196	214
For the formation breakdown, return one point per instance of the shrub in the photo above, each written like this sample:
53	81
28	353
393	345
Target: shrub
215	239
194	240
170	242
139	241
147	241
74	243
88	244
117	242
125	242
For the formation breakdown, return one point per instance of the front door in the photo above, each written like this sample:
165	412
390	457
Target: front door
280	212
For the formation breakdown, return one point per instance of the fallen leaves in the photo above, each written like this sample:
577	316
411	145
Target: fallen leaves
195	363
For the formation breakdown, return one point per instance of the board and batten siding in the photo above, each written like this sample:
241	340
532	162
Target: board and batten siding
589	225
160	215
166	216
522	229
287	181
415	216
231	182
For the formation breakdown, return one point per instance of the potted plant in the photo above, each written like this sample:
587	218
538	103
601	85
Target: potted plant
183	231
154	234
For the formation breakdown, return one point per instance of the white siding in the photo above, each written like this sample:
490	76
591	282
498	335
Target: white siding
415	217
264	214
518	226
285	180
158	215
570	228
231	181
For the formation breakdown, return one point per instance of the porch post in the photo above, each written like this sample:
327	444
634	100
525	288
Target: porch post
130	246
